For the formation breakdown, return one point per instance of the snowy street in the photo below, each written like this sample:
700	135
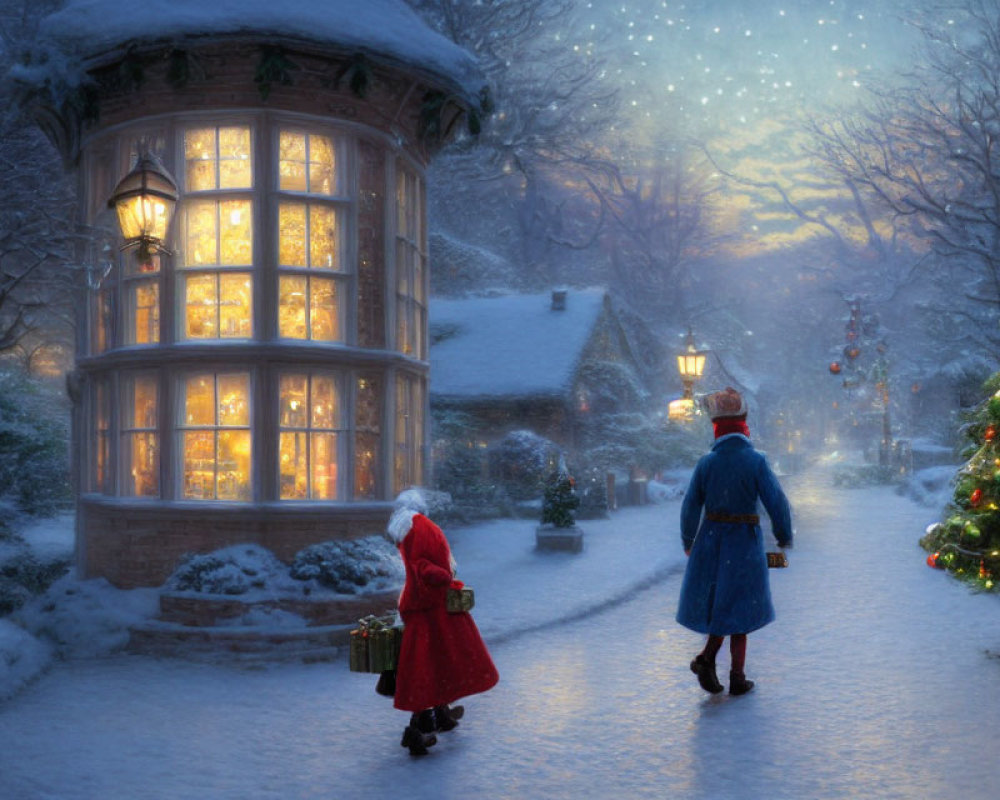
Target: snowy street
880	678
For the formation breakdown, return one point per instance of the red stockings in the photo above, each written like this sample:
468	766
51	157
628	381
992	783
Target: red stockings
737	649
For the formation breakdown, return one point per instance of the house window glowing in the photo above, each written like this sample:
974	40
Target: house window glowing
411	299
215	437
409	467
142	300
140	451
309	436
310	241
101	476
367	436
217	234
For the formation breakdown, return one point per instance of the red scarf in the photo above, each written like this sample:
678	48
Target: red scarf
730	425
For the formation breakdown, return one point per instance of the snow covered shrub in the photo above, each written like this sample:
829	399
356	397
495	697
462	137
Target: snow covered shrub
34	457
231	570
354	566
25	576
521	461
559	501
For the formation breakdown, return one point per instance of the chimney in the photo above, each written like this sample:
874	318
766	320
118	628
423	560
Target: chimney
558	299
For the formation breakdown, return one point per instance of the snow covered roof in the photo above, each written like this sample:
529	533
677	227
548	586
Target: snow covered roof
513	345
385	29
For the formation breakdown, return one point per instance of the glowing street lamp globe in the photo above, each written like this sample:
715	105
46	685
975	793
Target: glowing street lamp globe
145	200
690	364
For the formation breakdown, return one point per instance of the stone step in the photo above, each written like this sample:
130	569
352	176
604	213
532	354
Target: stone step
240	643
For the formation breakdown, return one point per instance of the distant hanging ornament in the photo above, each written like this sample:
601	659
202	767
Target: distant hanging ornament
852	352
934	560
989	433
835	368
976	497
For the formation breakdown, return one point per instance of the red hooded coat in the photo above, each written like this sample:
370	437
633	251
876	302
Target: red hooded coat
443	657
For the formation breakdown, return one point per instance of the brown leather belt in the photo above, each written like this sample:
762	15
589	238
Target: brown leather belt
739	519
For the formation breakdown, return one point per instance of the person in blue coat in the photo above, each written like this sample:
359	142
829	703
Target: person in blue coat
726	591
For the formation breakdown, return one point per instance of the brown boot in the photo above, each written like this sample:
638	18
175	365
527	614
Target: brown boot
738	683
705	670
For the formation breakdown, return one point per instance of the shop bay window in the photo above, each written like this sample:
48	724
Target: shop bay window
309	437
217	234
215	441
310	239
411	299
140	451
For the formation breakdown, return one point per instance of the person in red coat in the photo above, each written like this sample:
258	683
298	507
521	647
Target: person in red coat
442	656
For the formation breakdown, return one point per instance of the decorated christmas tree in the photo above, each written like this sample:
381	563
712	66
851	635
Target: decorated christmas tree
967	541
559	501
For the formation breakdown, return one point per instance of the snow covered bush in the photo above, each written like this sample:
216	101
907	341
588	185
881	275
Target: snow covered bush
354	566
22	658
23	577
521	461
34	457
231	570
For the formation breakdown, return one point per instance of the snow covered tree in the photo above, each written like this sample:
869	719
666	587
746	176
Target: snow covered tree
559	501
967	541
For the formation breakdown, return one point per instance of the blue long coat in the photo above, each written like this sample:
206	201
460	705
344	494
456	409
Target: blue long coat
726	588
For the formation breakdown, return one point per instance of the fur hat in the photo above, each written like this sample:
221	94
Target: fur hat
727	403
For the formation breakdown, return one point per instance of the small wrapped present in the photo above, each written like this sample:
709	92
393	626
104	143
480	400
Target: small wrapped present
375	644
460	598
383	648
777	560
358	658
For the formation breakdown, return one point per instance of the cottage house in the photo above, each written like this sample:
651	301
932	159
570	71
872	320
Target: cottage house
548	363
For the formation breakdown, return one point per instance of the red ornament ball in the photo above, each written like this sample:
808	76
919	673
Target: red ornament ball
976	497
932	560
989	433
835	368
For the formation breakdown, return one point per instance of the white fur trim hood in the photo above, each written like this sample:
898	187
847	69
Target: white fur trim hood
400	523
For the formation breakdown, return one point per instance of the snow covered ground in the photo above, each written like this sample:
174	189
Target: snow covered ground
877	680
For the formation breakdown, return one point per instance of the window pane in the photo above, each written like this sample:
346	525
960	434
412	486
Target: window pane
292	235
292	307
323	248
292	401
234	465
235	305
324	321
199	400
324	466
367	423
234	400
292	162
201	305
322	165
236	232
144	313
144	476
234	158
143	406
200	232
293	465
324	402
200	157
199	465
102	438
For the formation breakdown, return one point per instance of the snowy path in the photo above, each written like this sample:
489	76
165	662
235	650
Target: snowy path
874	682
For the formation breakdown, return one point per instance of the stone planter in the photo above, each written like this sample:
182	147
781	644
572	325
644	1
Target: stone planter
549	537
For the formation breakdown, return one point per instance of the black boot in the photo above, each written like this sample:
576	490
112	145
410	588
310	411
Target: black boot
445	718
417	742
705	670
424	721
738	683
